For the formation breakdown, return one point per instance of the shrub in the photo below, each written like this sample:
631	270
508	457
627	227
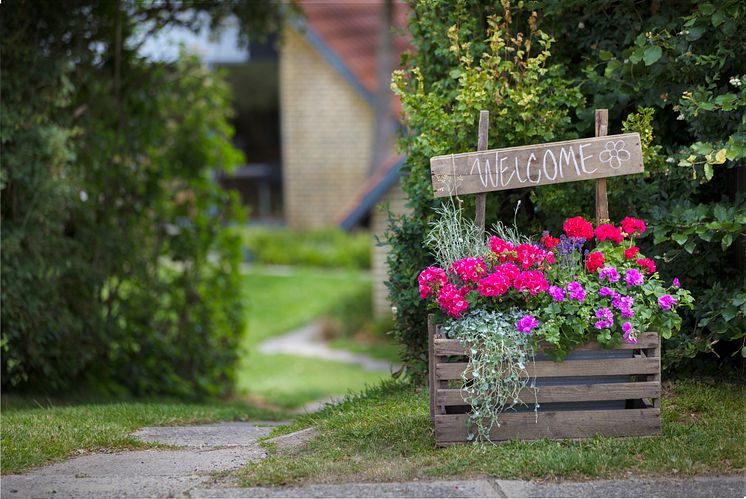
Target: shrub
314	248
119	264
672	69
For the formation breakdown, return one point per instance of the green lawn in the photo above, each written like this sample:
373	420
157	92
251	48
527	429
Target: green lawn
280	302
37	433
288	381
385	435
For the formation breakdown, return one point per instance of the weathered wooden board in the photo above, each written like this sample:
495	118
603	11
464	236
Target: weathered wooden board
540	164
444	346
550	369
451	428
568	393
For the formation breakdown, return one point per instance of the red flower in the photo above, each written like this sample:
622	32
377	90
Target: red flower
608	231
578	227
630	253
532	281
631	225
594	261
548	241
648	264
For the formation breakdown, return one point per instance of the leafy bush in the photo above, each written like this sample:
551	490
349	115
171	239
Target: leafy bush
119	264
672	69
314	248
458	69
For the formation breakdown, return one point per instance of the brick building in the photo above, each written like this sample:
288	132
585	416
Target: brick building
337	168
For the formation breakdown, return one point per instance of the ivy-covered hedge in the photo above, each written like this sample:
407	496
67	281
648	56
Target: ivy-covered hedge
673	72
119	268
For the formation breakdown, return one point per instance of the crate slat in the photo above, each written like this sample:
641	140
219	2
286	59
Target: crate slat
445	346
452	428
570	393
568	368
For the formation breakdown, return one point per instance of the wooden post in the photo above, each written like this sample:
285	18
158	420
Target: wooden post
602	202
481	200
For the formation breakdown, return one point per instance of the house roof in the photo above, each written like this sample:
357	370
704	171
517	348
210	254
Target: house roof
346	34
371	192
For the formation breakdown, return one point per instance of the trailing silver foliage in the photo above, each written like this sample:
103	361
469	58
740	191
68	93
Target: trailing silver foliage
453	236
498	356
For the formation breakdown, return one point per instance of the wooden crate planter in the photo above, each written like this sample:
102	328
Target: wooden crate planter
574	395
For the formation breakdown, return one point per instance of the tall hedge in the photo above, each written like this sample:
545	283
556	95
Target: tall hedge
119	264
672	72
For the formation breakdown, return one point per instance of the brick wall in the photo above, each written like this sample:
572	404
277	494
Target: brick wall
327	135
394	200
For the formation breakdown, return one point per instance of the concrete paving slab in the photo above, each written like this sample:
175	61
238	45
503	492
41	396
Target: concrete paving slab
461	488
295	439
54	486
231	434
710	486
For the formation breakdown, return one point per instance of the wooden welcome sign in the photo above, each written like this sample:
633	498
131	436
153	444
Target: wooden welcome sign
485	170
542	164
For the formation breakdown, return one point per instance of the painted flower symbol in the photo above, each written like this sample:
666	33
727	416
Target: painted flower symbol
614	153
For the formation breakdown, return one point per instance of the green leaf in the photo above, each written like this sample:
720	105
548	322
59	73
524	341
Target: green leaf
695	33
605	55
680	238
689	247
652	54
729	313
708	171
727	240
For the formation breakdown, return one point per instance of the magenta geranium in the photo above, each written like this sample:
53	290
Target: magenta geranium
452	301
575	291
431	279
526	324
469	269
666	301
557	293
633	277
606	316
608	273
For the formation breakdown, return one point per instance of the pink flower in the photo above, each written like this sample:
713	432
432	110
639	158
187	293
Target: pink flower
629	334
624	304
606	316
676	282
452	301
604	291
666	301
557	293
532	280
631	225
495	284
501	248
526	324
469	269
633	277
608	231
430	280
609	273
509	270
576	291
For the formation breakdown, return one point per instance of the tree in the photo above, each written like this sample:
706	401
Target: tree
120	266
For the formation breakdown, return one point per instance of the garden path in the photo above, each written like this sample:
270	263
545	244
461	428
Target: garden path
200	457
307	341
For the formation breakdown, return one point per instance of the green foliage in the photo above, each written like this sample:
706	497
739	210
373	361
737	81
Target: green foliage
465	61
672	71
119	266
331	247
